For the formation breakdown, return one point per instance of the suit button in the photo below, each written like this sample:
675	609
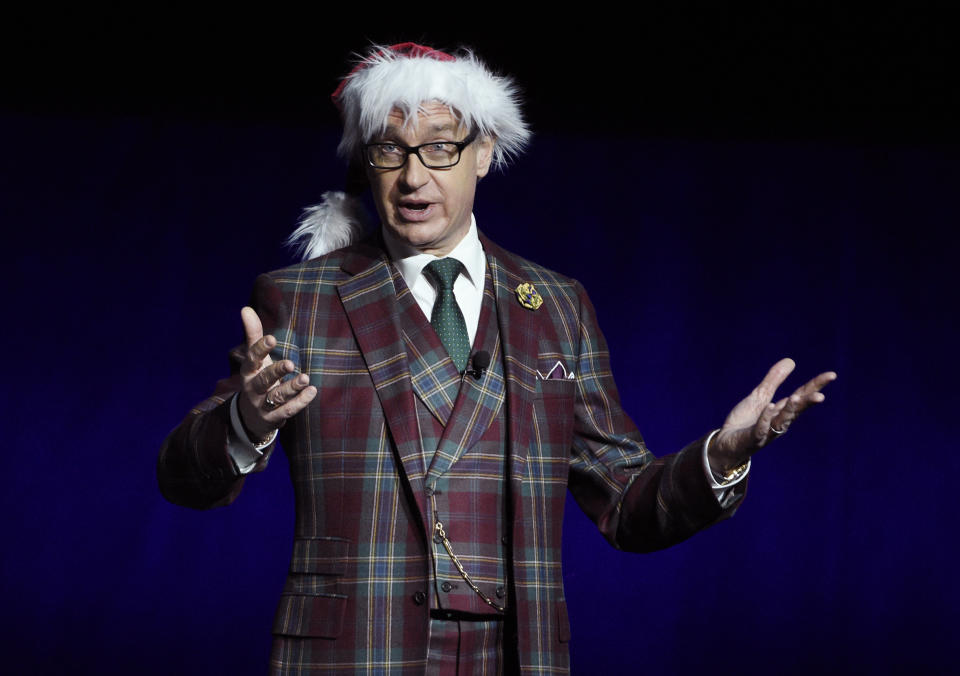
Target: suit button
419	597
501	592
447	586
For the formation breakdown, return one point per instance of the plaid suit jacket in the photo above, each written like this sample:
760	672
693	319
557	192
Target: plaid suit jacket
360	560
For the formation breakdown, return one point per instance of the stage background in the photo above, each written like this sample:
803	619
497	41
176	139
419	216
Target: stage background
758	198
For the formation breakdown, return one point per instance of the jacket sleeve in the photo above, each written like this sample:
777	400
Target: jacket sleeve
194	468
639	503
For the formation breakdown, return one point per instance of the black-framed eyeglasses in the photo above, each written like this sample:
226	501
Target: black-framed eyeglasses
434	155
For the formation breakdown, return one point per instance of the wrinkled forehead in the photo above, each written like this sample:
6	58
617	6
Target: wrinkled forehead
426	117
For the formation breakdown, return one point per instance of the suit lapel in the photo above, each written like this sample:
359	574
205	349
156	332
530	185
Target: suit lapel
518	333
369	297
433	375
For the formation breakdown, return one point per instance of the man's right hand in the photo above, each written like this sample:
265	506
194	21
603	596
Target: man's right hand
265	403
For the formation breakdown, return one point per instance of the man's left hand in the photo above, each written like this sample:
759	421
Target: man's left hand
758	420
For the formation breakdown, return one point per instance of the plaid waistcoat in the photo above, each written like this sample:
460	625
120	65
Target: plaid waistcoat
462	426
357	597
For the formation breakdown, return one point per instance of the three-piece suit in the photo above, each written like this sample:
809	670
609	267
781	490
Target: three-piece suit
397	440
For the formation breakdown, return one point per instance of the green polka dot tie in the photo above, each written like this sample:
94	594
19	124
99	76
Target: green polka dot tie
447	320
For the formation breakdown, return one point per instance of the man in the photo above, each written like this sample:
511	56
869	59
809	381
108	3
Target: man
436	396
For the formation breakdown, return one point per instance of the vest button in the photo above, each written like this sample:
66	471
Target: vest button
448	587
429	491
503	539
501	592
419	597
437	538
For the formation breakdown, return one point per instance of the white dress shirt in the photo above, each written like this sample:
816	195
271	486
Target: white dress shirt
468	287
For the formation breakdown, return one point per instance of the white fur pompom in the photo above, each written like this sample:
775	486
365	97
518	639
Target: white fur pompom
337	221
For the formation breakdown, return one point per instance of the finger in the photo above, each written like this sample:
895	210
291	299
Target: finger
289	409
269	376
259	352
252	328
761	431
258	345
816	384
809	393
793	406
780	405
774	378
287	390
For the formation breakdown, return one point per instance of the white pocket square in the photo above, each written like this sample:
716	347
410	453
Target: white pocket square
557	372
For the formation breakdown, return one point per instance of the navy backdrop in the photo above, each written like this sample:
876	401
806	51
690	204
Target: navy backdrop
132	242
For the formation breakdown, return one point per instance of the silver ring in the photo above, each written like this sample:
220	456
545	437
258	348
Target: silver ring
270	403
776	431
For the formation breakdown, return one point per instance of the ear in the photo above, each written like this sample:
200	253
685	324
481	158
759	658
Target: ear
484	150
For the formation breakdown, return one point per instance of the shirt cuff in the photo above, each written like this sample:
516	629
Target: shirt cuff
721	488
244	453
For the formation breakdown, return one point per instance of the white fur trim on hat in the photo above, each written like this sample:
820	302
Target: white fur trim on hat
386	80
337	221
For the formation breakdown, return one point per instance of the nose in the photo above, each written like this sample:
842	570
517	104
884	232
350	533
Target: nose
413	174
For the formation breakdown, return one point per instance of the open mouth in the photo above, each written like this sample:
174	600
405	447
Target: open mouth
415	210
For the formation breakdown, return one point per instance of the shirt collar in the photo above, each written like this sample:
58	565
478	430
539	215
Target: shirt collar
411	262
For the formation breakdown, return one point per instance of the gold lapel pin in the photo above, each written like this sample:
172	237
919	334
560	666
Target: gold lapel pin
528	296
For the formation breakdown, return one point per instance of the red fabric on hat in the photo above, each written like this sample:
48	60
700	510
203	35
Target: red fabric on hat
410	50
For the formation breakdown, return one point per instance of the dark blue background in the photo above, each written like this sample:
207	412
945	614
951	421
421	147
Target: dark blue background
132	241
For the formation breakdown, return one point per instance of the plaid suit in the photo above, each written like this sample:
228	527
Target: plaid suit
360	564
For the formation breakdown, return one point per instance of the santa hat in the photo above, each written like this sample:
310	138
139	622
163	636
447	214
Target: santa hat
405	76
